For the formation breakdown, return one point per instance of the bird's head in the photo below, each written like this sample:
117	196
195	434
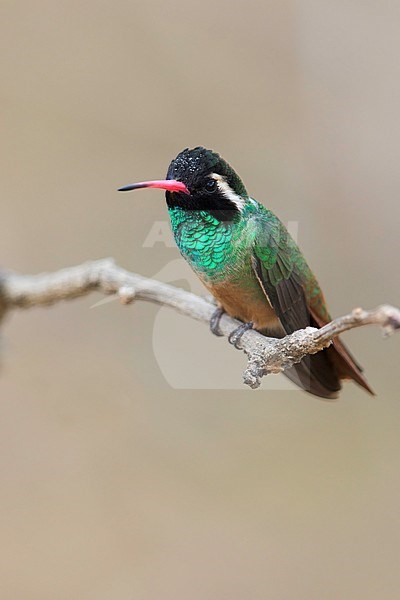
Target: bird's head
200	180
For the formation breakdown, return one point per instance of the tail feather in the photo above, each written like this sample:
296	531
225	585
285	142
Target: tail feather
346	366
316	374
343	362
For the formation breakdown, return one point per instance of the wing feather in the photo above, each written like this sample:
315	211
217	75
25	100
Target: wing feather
276	260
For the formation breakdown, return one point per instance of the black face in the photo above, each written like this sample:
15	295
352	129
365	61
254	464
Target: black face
195	168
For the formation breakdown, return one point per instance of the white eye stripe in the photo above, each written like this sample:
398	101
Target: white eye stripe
227	191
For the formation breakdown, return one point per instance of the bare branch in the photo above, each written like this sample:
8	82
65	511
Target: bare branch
265	355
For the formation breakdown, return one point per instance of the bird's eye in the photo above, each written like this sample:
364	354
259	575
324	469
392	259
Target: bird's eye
210	185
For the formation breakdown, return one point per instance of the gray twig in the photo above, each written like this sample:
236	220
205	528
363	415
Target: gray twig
265	355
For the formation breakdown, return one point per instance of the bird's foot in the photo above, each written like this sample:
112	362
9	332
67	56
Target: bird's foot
214	321
236	335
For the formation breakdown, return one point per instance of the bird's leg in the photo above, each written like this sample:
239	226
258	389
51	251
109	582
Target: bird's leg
236	335
215	319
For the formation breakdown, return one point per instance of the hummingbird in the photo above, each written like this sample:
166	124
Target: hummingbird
246	258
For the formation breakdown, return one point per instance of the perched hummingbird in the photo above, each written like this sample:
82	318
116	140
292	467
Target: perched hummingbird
246	258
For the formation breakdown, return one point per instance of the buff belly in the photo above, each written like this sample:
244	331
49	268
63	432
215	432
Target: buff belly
246	304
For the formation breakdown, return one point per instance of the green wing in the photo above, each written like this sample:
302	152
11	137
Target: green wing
282	273
297	299
291	289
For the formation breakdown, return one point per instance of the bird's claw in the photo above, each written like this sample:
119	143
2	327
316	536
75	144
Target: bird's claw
236	335
214	321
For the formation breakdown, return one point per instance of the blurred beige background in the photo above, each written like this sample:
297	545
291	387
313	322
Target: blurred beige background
114	485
